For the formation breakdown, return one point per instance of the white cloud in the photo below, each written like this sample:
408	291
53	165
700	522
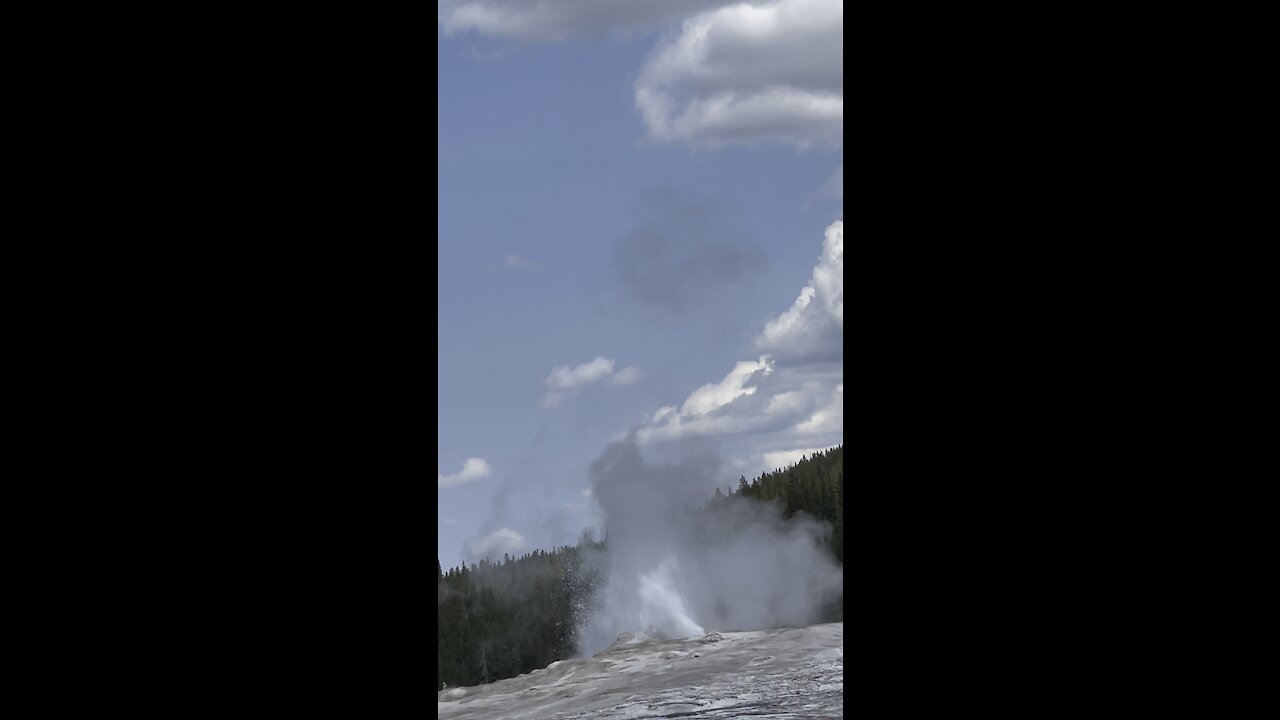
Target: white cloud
734	72
567	378
749	73
815	323
564	380
827	419
781	459
473	469
788	402
493	545
627	376
700	413
554	20
791	399
713	396
681	426
763	404
515	261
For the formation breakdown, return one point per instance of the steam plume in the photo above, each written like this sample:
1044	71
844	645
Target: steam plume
671	571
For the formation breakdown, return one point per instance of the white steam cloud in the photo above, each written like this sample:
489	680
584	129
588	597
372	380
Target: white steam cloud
737	564
671	572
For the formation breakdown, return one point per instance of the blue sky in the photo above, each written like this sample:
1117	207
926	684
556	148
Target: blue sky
633	197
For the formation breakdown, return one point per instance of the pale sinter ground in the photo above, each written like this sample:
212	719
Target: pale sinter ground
787	673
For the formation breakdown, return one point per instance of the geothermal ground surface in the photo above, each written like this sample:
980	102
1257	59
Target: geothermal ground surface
787	673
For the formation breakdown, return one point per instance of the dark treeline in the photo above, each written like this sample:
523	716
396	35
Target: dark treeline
501	619
815	485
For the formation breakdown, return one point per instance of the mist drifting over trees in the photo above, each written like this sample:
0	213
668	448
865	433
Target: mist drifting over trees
680	558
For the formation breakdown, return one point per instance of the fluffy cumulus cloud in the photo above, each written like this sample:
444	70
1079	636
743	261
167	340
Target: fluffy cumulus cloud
748	73
726	72
473	469
788	402
495	544
564	380
554	20
815	322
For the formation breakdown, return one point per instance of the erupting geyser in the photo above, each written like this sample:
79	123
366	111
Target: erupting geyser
662	612
674	567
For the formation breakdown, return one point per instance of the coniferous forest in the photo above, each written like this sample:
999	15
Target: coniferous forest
497	620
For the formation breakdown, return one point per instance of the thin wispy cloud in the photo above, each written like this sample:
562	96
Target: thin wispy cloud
564	380
833	188
495	544
542	21
516	261
568	378
473	469
627	376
